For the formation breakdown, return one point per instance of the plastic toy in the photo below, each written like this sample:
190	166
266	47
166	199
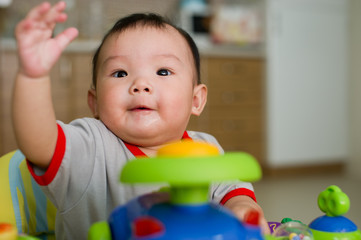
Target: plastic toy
293	230
188	167
332	226
183	212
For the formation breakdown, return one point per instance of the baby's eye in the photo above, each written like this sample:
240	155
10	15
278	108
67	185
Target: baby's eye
163	72
120	74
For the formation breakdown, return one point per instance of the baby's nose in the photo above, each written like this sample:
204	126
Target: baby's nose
140	86
140	89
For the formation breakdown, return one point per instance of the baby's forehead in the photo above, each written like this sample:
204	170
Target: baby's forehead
163	30
166	31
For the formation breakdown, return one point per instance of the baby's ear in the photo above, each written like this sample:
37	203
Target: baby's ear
199	99
92	102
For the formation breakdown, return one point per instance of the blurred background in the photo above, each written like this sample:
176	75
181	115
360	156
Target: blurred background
283	78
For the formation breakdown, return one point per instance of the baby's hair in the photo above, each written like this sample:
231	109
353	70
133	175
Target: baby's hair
151	20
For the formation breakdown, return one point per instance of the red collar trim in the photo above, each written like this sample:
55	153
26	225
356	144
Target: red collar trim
139	153
135	150
186	136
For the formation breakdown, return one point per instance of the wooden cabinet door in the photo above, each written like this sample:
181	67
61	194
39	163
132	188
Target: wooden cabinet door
235	107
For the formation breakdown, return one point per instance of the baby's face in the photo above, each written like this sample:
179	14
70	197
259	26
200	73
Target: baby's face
145	85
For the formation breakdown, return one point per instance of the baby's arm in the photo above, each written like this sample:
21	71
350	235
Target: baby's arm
33	114
241	205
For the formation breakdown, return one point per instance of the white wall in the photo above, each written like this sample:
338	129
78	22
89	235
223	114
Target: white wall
354	166
307	82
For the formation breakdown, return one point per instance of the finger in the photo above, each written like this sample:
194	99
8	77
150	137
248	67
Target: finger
64	38
61	18
49	14
56	14
264	227
39	10
34	13
47	9
60	6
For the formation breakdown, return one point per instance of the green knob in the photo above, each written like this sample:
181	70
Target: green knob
286	220
333	201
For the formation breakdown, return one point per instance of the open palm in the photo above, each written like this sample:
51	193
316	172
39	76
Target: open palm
38	50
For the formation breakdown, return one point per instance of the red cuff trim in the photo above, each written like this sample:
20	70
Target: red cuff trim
55	163
238	192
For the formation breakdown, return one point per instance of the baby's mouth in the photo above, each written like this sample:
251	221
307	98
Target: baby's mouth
141	108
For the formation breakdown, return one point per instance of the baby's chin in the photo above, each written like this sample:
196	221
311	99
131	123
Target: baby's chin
147	132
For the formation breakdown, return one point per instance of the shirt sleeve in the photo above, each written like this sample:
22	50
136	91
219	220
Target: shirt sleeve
71	168
220	193
45	177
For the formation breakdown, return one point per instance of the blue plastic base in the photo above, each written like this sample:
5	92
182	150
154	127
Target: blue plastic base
181	222
333	224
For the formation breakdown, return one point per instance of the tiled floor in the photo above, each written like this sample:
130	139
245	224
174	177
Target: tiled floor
296	197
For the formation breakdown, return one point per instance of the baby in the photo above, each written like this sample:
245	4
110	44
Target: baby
146	85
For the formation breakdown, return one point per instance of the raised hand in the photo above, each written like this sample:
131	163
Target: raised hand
37	49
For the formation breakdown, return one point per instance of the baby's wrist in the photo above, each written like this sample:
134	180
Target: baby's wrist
32	77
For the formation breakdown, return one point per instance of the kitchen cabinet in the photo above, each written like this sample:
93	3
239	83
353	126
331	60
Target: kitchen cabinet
234	113
307	76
